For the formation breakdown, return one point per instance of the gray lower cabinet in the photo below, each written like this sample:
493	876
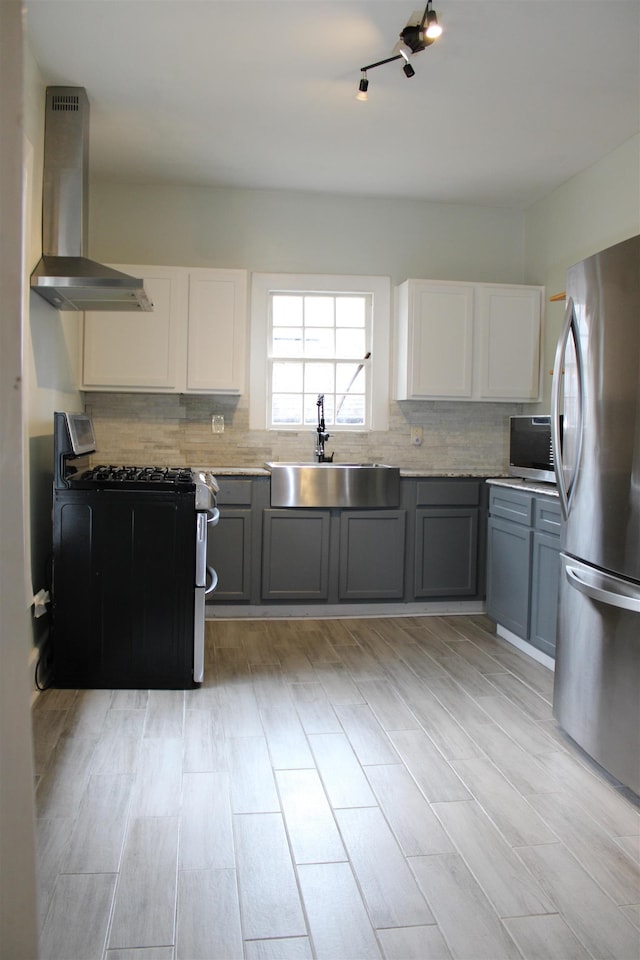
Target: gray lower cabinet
372	544
295	554
447	538
523	568
545	575
431	547
232	543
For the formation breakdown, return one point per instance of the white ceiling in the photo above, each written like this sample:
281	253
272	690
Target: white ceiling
515	98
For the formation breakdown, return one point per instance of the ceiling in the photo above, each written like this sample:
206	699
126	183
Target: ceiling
515	97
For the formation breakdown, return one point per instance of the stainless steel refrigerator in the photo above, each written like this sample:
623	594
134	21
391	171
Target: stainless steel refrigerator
597	388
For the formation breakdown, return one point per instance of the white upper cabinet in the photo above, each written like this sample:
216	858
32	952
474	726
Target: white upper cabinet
216	350
192	342
509	327
468	341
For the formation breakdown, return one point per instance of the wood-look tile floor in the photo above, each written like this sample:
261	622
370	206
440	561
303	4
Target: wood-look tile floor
338	789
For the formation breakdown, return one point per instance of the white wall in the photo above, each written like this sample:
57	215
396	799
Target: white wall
285	231
18	931
598	207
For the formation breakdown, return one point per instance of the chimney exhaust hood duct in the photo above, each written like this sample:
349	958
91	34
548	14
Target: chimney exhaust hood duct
65	277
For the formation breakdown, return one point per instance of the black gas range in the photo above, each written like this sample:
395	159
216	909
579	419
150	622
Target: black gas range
130	572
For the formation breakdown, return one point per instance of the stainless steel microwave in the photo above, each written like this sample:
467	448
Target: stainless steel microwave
531	453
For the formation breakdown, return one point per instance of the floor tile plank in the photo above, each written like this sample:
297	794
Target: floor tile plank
158	781
338	921
206	830
310	824
286	741
540	938
208	916
417	829
76	924
316	713
511	888
96	842
592	916
293	948
516	819
599	854
467	920
388	707
427	766
342	775
369	741
269	899
388	886
414	943
253	788
144	910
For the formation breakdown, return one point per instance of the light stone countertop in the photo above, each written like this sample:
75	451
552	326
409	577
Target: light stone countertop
530	486
226	471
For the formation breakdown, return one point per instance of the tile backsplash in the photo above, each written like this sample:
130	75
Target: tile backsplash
176	429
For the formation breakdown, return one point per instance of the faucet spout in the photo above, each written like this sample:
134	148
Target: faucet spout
322	433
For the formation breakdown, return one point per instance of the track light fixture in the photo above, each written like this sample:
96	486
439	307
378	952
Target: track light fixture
413	38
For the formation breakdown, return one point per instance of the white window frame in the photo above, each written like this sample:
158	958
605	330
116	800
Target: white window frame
378	288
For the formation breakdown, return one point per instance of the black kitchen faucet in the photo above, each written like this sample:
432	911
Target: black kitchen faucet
323	436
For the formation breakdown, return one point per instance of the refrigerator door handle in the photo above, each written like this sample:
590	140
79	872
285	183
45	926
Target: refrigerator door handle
569	329
627	598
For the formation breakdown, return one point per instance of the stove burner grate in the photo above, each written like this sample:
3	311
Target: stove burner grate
130	477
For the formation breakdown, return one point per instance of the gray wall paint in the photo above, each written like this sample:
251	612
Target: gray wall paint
280	231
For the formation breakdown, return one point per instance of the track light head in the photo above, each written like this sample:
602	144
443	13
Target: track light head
433	30
363	87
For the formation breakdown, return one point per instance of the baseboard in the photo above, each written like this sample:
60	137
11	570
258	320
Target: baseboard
525	647
342	610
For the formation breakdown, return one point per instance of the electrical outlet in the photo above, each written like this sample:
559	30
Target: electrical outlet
417	436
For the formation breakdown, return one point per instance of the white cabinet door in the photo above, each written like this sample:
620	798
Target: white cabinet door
467	341
435	328
138	351
508	328
193	340
216	356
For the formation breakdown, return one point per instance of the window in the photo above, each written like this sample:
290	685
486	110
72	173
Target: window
315	335
318	344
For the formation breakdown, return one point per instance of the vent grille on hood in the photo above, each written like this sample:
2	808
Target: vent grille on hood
65	276
65	101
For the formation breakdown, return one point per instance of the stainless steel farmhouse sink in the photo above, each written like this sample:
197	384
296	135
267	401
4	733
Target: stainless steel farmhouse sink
334	484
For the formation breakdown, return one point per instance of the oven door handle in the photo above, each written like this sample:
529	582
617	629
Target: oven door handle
211	573
213	516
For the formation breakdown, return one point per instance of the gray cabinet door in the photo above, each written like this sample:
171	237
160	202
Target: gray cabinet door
508	574
372	554
545	578
446	552
295	554
229	553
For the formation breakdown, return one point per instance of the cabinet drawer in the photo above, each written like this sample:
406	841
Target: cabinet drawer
511	505
548	517
450	493
234	491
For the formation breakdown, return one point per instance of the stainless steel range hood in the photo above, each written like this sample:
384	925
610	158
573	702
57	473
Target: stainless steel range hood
65	277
